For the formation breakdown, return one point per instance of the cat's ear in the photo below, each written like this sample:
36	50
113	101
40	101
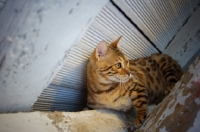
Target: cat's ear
115	43
101	50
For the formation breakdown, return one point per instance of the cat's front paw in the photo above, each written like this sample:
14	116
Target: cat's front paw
139	120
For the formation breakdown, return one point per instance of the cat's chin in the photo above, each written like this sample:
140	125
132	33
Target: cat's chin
125	80
122	80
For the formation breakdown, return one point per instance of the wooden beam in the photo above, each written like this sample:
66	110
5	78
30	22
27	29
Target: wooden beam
180	110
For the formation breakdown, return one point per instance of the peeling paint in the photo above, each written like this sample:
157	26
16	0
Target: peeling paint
197	100
195	127
57	118
186	42
163	130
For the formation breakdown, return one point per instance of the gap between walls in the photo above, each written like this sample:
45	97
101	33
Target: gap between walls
135	25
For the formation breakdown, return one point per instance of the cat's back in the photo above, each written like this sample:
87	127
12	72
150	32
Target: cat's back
161	64
158	73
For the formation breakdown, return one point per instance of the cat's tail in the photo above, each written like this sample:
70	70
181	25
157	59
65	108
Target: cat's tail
170	69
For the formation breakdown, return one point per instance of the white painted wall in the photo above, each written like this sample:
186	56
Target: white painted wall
185	46
34	37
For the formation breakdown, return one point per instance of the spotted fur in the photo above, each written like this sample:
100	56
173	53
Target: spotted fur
114	82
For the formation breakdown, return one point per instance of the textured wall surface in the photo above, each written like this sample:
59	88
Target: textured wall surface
160	20
34	36
185	45
2	4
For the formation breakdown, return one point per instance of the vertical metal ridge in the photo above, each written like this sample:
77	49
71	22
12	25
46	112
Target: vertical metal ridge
181	8
143	15
134	24
100	35
72	79
167	17
101	21
123	28
60	99
150	20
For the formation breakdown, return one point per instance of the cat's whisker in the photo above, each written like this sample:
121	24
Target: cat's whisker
120	82
124	86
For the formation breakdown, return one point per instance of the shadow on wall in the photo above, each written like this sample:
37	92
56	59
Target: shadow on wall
57	98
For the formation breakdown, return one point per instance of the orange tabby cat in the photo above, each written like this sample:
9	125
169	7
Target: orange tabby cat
114	82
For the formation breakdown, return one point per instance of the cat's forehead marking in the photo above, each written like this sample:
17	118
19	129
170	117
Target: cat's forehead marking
120	59
118	52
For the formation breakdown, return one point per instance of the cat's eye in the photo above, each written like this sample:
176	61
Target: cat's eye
118	65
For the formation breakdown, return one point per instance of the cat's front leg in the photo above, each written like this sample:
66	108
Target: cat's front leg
141	106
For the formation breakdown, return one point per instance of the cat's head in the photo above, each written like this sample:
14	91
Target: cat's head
111	62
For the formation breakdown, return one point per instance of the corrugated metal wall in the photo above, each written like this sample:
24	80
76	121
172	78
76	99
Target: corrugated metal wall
146	26
55	98
160	20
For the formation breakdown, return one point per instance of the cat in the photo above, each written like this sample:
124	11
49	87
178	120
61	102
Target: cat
114	82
